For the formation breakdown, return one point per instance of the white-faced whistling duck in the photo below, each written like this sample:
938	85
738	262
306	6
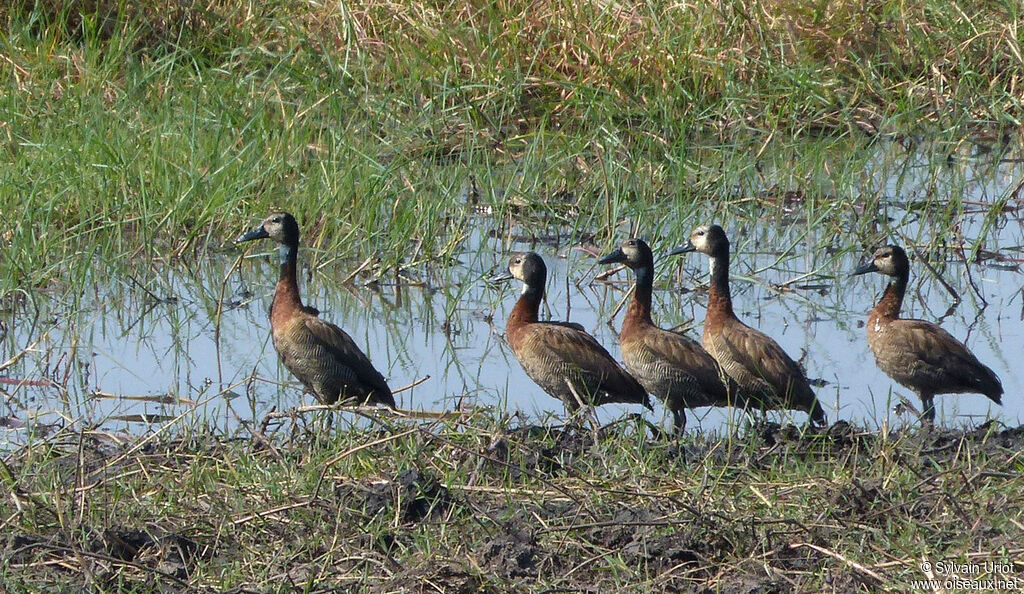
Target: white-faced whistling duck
565	361
918	354
321	355
673	367
767	376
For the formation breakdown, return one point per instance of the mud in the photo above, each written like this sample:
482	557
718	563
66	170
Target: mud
565	527
513	553
412	496
168	555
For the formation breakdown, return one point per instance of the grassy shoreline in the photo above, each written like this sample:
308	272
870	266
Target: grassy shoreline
160	129
483	504
155	132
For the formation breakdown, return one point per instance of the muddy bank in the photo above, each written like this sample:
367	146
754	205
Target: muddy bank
483	506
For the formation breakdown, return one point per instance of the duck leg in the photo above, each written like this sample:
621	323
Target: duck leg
928	409
750	417
580	402
679	421
816	415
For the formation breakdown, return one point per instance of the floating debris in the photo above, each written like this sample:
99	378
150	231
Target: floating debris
155	398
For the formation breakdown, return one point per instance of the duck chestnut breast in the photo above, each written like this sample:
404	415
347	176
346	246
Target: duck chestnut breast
560	357
672	366
918	354
767	376
321	355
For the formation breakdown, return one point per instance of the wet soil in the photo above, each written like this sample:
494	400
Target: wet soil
514	509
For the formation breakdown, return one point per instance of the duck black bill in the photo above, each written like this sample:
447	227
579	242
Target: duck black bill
866	268
686	247
501	277
257	233
616	256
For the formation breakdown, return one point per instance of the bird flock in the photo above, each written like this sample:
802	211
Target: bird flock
733	364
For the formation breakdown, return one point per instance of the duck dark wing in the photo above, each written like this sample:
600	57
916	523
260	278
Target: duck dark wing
931	359
762	368
567	352
349	359
573	325
685	360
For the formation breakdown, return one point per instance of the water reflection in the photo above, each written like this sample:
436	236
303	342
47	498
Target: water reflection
188	335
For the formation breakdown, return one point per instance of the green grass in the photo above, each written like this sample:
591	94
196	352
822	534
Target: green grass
480	505
154	133
161	130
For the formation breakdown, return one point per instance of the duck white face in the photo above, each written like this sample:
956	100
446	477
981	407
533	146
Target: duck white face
699	239
515	267
710	240
280	226
276	226
890	260
527	267
633	252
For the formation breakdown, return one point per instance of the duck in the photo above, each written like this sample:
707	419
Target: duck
669	365
560	357
768	378
917	354
319	354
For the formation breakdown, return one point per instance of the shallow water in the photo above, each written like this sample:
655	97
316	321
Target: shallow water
217	365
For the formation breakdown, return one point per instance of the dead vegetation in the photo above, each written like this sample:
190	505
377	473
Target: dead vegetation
826	66
479	505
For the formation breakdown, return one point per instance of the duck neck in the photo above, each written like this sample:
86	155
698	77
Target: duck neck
640	306
719	298
527	307
892	299
286	294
